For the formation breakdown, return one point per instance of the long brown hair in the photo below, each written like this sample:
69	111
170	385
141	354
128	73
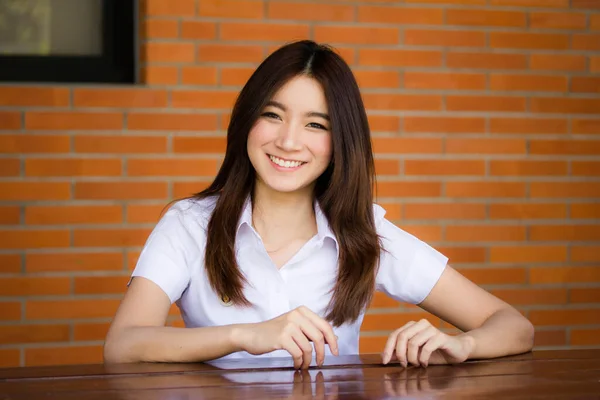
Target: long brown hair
344	190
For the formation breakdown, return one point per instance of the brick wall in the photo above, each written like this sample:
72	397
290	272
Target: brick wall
486	124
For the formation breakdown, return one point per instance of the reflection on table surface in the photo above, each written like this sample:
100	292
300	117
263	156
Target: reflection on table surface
562	374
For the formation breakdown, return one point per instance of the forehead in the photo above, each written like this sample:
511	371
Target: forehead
302	92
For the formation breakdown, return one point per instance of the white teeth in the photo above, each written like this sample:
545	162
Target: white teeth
285	164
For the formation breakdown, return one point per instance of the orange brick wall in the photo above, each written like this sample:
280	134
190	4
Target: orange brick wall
486	124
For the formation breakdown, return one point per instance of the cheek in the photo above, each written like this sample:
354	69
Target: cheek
322	146
261	134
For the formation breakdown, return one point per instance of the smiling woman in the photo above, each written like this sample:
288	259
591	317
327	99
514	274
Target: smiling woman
293	137
281	254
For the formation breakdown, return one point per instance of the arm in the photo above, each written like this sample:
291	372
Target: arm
138	334
493	327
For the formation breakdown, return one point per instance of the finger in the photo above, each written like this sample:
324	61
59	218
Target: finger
305	347
320	385
301	381
416	379
405	336
307	389
290	345
388	387
412	386
432	345
297	378
423	379
297	386
402	387
324	327
402	381
390	345
415	343
314	335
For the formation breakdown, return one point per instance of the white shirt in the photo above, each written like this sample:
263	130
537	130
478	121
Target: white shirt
173	258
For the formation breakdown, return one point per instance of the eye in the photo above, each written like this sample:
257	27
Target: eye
269	114
317	126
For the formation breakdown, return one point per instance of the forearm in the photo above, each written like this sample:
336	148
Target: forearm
505	332
168	344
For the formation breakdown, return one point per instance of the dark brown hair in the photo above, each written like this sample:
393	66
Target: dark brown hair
344	190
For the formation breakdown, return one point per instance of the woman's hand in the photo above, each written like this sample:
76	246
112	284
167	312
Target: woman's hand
293	332
303	387
421	344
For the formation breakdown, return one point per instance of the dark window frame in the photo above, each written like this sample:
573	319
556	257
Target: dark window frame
116	63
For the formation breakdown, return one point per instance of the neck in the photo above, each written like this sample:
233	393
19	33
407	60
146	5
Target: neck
280	217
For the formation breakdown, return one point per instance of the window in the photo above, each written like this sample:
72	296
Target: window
68	41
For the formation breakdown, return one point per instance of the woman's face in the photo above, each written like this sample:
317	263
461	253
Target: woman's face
290	143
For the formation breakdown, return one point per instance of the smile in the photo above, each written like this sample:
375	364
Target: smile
285	163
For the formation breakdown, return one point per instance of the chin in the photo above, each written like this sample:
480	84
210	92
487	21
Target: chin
285	185
283	188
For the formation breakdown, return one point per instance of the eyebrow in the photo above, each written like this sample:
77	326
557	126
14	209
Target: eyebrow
308	114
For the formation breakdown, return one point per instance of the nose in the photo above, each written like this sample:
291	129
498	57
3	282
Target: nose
289	138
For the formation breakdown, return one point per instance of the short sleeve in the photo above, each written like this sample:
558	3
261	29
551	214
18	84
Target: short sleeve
165	258
409	268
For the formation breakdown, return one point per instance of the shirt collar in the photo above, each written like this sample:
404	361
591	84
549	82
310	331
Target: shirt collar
323	228
246	217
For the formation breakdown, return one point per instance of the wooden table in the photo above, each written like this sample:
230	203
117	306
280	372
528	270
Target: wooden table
539	375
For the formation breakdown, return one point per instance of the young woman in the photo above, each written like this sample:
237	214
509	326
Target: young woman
280	256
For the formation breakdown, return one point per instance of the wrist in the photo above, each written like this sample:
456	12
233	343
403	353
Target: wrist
469	343
237	336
